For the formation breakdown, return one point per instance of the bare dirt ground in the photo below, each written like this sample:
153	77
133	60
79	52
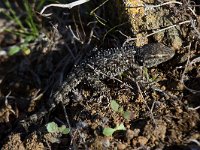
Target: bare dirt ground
163	102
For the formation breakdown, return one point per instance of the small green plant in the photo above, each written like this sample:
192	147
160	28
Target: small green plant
52	127
110	131
114	105
146	74
117	108
22	47
27	28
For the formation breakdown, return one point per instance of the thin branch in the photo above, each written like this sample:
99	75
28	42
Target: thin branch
163	29
162	4
149	109
92	12
73	34
195	108
188	65
194	27
169	27
70	128
149	7
69	6
194	141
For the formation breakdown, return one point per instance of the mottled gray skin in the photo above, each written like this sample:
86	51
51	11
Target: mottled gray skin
101	64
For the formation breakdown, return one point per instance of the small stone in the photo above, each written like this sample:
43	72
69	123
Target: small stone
132	133
134	142
106	142
129	134
121	146
142	140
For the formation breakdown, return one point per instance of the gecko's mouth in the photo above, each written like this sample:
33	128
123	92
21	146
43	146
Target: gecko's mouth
155	60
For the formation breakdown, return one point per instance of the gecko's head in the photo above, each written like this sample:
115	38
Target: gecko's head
153	54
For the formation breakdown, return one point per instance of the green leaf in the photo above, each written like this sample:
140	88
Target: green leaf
26	51
13	50
120	127
61	128
121	110
64	130
52	127
154	77
24	45
146	73
114	105
127	115
29	38
108	131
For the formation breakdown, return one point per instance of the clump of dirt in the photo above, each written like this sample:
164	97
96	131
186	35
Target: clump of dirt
15	143
158	107
148	18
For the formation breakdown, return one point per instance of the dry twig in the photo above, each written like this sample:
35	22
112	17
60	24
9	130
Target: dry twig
69	6
163	29
149	109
